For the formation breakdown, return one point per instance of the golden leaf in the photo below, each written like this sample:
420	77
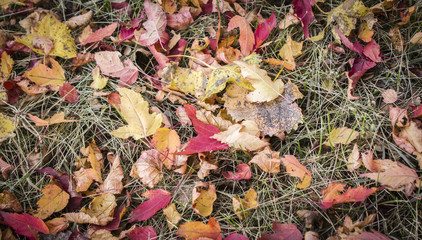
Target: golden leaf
56	118
172	215
242	207
99	81
185	80
6	66
342	135
166	141
7	127
43	75
203	197
54	200
289	51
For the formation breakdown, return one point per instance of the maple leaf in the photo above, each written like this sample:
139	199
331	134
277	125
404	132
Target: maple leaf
359	67
268	160
242	207
134	110
9	201
155	26
110	65
244	172
24	224
303	9
263	30
283	231
295	169
57	33
99	34
372	51
54	199
396	177
181	20
143	233
199	230
157	200
7	127
246	35
148	168
332	196
69	93
43	75
342	135
113	182
203	197
56	118
203	142
172	215
265	89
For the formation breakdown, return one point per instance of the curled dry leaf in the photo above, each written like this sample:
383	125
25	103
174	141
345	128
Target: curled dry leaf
8	201
56	118
199	230
268	160
342	135
157	200
332	196
295	169
148	168
172	215
113	182
207	163
243	207
79	20
203	197
54	199
244	172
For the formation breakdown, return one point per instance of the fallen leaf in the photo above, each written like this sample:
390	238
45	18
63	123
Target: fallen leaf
79	20
416	39
166	141
373	235
99	34
235	236
365	34
203	197
303	9
57	225
372	51
134	109
199	230
283	231
356	46
397	38
69	93
342	135
6	66
291	18
113	182
243	207
30	88
206	165
82	59
58	33
99	81
389	96
43	43
203	142
208	117
110	65
244	172
154	26
24	224
359	68
157	200
311	218
169	6
143	233
290	50
185	80
183	116
354	162
99	211
295	169
54	199
406	14
263	30
246	35
172	215
268	160
331	194
8	201
148	168
396	178
7	126
43	75
180	20
56	118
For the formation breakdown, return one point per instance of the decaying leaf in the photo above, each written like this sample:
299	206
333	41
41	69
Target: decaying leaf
243	207
172	215
342	135
416	39
397	39
289	51
295	169
54	199
8	201
203	197
246	35
332	196
50	29
42	75
199	230
148	168
185	80
157	200
113	182
56	118
269	161
134	110
7	126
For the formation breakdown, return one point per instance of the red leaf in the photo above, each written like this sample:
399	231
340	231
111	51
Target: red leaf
155	26
244	172
202	142
263	30
359	67
417	111
332	196
100	34
180	20
114	100
283	231
13	91
246	36
372	51
24	224
303	9
158	199
235	236
179	49
69	93
143	233
356	46
161	58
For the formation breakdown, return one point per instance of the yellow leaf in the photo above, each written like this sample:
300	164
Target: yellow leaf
56	118
172	215
134	110
242	207
43	75
185	80
342	135
6	66
58	33
265	89
99	81
6	127
54	200
203	197
365	33
166	141
290	50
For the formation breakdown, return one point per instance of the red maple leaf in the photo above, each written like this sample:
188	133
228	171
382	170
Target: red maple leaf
24	224
303	9
332	196
263	30
69	93
158	199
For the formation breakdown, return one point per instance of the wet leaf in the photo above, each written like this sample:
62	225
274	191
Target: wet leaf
148	168
199	230
203	197
157	200
56	118
243	207
54	199
332	196
295	169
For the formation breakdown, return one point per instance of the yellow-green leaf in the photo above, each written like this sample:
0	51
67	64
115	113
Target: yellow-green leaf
6	127
185	80
6	66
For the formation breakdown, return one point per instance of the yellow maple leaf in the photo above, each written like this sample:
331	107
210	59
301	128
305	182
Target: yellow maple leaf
54	200
290	50
50	31
203	197
42	75
134	110
342	135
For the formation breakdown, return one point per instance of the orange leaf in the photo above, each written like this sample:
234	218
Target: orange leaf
100	34
295	169
332	196
54	200
56	118
43	75
246	36
166	141
268	160
199	230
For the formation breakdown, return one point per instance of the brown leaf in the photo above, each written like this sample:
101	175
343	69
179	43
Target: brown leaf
246	36
8	201
243	207
5	167
397	38
113	182
268	160
56	118
31	89
148	168
203	197
207	164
